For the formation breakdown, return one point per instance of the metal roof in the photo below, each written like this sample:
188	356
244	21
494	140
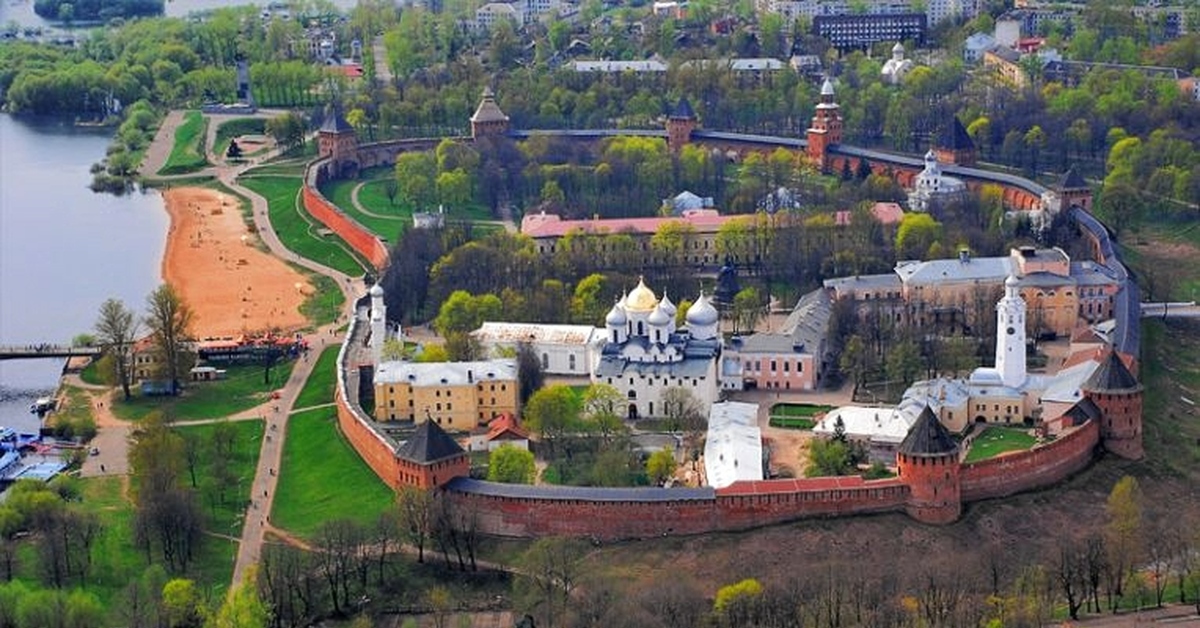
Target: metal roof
445	373
428	443
580	493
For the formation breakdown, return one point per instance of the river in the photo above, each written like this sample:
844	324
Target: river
21	11
63	249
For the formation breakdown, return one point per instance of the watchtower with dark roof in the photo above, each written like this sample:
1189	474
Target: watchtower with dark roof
1118	395
680	125
337	140
488	119
430	458
954	145
928	463
1074	190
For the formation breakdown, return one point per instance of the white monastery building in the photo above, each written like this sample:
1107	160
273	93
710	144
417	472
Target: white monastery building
562	349
733	449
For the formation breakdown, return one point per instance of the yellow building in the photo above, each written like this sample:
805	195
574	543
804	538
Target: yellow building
458	396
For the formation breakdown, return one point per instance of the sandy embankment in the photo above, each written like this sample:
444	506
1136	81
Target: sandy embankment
231	286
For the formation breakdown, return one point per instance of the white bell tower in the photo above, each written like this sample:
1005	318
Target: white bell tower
1010	335
378	323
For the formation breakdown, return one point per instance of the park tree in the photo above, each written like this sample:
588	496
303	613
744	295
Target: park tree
183	605
530	372
917	232
462	312
511	465
550	570
242	608
170	319
829	457
116	330
734	604
660	466
602	408
587	304
1123	535
287	130
904	362
414	508
416	174
853	360
748	309
167	516
552	412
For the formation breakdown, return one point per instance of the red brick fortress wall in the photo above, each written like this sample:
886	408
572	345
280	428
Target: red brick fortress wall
1039	467
362	241
370	446
742	506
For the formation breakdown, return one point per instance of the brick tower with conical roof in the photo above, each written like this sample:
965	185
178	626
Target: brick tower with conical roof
826	128
928	463
337	140
1074	190
488	119
680	125
430	458
1118	395
954	145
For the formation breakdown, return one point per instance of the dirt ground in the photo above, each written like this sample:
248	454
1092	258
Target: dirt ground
231	285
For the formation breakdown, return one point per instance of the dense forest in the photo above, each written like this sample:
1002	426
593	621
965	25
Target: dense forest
92	10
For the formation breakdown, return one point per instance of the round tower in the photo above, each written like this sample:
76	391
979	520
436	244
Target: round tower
928	463
1118	395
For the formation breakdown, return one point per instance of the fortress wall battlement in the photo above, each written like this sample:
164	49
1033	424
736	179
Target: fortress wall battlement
1035	468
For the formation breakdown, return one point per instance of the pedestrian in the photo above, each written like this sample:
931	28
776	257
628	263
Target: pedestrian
264	492
101	468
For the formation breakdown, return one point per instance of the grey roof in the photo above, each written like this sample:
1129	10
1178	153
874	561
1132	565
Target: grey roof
954	136
928	437
1085	410
864	282
428	443
335	122
446	373
1112	376
683	110
804	330
1045	280
1089	273
616	366
585	493
1071	180
992	269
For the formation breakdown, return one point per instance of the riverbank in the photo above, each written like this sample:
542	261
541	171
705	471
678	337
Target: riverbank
213	261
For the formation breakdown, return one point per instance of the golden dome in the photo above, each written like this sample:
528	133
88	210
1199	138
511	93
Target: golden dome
641	299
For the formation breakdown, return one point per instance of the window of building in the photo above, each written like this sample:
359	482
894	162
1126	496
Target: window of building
787	366
571	362
545	361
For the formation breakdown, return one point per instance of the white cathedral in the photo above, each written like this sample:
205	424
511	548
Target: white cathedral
645	353
932	189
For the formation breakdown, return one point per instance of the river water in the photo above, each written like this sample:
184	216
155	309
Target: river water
63	249
21	11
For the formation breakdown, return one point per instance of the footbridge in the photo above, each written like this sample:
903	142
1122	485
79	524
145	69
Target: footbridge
28	352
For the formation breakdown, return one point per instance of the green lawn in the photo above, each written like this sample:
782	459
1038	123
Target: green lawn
792	423
225	512
296	229
187	155
242	389
341	193
322	478
997	440
1170	371
806	410
325	304
319	387
238	126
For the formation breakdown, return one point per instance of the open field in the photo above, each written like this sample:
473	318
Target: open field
393	221
997	440
318	388
297	230
806	410
324	304
242	389
187	154
322	478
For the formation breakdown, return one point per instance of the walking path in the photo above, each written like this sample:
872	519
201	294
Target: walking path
113	434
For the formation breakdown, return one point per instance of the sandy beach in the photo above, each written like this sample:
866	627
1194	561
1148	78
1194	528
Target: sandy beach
212	259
